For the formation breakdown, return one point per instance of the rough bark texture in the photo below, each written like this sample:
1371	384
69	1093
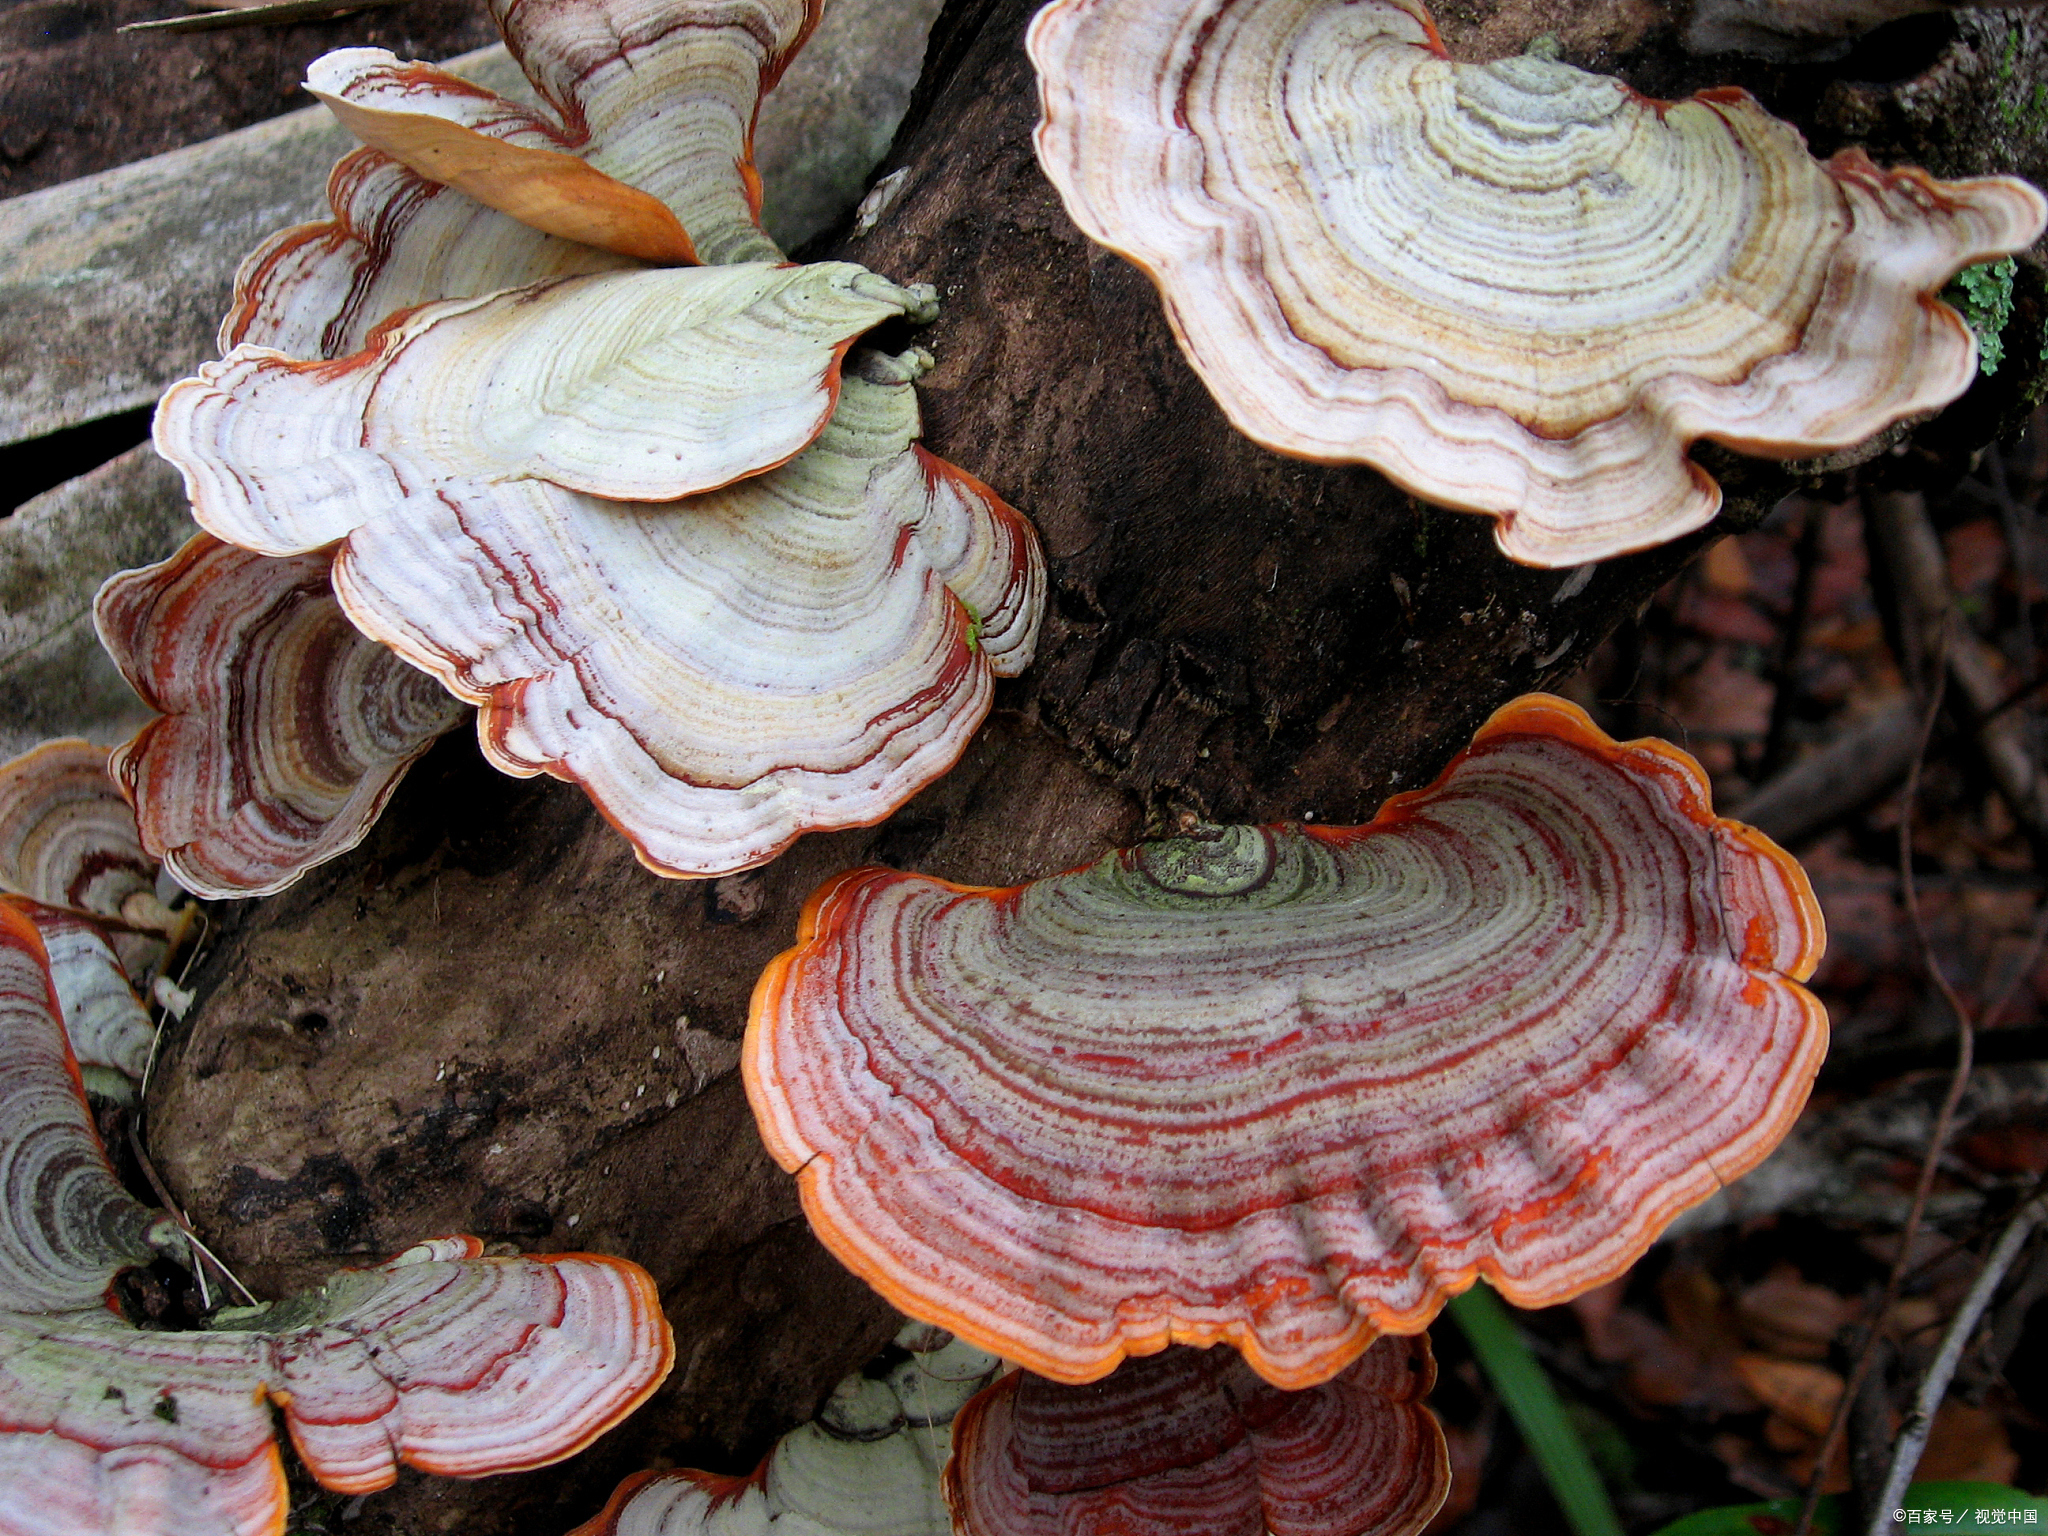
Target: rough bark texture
453	1027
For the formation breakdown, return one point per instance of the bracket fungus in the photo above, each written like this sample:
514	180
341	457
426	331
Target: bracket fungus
441	1359
1292	1087
103	1018
68	839
1513	288
1191	1443
648	154
868	1465
638	516
637	386
805	649
282	729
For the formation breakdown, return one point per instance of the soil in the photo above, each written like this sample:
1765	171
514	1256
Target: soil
76	96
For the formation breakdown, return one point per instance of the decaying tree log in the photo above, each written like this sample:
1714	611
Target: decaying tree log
488	1018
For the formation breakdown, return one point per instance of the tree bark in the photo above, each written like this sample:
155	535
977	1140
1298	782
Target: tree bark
489	1018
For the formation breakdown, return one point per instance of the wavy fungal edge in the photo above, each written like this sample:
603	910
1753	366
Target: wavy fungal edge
1540	715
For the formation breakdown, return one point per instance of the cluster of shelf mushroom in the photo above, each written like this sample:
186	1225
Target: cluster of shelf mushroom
540	421
661	524
440	1358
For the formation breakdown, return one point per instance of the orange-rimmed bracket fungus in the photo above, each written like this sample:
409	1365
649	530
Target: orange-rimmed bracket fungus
1191	1443
869	1464
1514	288
441	1359
68	838
1288	1087
645	154
282	729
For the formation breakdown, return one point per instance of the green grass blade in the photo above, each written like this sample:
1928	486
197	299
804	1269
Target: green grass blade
1533	1404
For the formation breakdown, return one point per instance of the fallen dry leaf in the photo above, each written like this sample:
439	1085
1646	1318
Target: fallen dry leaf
1799	1391
1724	569
1967	1444
1786	1314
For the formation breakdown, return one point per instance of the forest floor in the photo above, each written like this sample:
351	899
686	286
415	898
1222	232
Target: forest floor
1710	1373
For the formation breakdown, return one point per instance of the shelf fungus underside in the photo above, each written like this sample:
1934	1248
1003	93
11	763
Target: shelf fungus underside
1291	1087
1192	1443
1514	288
283	729
446	1361
656	97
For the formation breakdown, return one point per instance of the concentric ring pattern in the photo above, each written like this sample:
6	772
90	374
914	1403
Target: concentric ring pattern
283	730
660	95
1292	1087
1515	288
805	649
67	838
1191	1443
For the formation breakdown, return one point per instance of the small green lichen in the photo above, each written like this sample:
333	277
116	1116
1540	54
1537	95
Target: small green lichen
166	1409
974	627
1219	861
1983	294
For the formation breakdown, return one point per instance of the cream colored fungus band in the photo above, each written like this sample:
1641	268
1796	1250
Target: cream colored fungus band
638	386
647	151
1514	288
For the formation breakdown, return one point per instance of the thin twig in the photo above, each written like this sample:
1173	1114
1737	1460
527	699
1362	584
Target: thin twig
2035	941
1965	1048
170	1205
1913	554
2014	520
1937	1139
1962	1327
156	1040
248	1296
1785	667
